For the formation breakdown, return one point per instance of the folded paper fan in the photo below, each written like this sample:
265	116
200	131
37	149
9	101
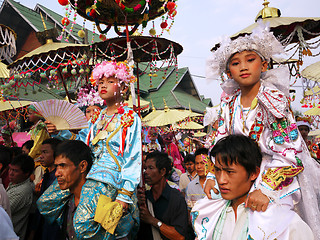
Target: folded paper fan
62	114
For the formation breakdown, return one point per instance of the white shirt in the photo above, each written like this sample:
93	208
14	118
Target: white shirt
4	200
298	229
235	224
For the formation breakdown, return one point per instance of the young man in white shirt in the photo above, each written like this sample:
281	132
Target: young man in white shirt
237	165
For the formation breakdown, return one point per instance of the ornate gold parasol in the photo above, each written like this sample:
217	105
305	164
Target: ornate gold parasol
190	125
313	111
199	134
288	30
144	105
11	105
167	116
4	72
312	72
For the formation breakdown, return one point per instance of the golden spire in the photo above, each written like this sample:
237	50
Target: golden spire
268	12
44	24
165	105
49	40
153	108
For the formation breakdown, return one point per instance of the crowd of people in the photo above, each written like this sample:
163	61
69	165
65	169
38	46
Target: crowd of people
253	177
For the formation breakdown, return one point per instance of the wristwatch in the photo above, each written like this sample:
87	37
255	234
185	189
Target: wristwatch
159	224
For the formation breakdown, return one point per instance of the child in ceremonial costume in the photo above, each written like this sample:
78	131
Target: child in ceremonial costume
256	104
89	102
38	132
115	139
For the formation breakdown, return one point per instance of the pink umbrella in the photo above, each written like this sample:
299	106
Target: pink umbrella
20	137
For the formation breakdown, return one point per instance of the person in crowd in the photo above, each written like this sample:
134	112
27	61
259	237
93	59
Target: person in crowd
89	101
20	192
153	145
73	162
237	165
6	227
163	210
194	190
41	228
4	200
255	104
171	148
304	126
115	139
38	172
27	146
38	131
6	133
190	173
5	159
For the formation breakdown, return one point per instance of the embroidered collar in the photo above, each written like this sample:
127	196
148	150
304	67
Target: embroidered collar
273	100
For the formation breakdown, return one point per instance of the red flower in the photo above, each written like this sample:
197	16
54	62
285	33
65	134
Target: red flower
120	110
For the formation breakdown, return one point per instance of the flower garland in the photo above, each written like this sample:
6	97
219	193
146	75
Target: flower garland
88	96
119	70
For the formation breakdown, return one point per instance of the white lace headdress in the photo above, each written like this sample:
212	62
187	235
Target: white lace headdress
261	41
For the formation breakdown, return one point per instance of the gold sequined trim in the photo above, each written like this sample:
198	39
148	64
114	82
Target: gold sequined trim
125	192
109	149
73	136
274	177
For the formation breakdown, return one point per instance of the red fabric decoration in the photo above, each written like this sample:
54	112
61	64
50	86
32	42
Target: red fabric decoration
171	6
127	120
65	21
93	13
120	110
102	37
163	25
63	2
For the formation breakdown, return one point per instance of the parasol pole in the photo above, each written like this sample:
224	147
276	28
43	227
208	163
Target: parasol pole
64	85
6	116
138	91
130	62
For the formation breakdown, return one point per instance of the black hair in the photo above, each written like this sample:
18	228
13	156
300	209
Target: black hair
190	158
76	151
238	149
53	142
162	160
201	151
25	162
28	144
16	151
5	156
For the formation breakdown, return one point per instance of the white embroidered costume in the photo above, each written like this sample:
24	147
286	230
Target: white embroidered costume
272	125
288	173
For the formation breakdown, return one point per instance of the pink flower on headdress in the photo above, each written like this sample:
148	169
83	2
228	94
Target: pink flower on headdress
88	96
119	70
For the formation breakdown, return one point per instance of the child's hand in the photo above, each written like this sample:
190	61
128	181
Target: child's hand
257	201
51	127
210	185
124	205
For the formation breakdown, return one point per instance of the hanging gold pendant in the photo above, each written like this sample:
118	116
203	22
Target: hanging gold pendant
111	127
102	135
100	124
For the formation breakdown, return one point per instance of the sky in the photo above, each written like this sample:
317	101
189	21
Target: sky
200	24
